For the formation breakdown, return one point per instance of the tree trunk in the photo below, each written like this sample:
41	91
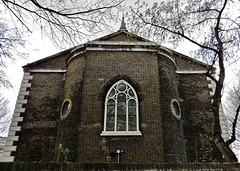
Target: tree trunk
225	149
220	143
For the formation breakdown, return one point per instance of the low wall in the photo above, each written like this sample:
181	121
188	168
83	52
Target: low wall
107	166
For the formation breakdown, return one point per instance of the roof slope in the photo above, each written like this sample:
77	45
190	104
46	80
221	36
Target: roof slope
58	61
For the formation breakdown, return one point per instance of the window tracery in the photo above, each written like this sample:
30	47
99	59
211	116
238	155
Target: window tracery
121	116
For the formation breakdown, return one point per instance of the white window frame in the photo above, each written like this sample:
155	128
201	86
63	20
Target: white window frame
115	132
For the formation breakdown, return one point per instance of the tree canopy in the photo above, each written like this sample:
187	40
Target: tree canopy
212	25
5	118
197	21
66	22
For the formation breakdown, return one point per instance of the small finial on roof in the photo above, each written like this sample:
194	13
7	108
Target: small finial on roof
123	25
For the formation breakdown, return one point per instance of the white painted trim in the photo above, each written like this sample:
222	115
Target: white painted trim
26	74
20	97
78	47
9	142
14	123
47	70
23	89
24	81
21	102
191	72
222	117
126	43
19	110
18	119
16	114
75	55
114	46
27	77
169	57
7	159
9	148
18	105
211	93
6	153
128	49
121	133
24	93
223	124
15	128
114	97
12	138
12	133
166	49
26	85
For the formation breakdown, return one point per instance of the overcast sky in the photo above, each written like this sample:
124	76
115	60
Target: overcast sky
40	47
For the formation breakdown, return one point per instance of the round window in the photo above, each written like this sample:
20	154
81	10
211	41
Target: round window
66	108
175	107
121	87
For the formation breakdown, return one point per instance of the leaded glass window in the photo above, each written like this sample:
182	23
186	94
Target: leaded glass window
121	110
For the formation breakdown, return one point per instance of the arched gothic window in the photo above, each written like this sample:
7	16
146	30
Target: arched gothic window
121	115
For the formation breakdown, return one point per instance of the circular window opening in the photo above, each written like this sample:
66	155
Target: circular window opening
121	87
175	108
66	108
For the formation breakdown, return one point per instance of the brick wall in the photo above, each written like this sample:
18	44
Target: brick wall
193	89
38	132
101	67
174	146
68	128
90	74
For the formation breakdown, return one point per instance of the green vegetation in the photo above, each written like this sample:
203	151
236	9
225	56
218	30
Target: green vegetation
64	151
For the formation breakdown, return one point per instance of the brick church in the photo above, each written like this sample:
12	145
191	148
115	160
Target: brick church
119	98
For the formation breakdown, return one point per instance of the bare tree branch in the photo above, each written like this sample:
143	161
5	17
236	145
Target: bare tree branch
205	24
233	137
174	32
76	13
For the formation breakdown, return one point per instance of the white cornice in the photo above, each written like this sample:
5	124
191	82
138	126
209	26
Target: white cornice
115	43
75	55
133	49
122	46
191	72
169	57
47	70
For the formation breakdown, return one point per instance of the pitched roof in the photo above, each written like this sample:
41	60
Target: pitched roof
121	35
122	32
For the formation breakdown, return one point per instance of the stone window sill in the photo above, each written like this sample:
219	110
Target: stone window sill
121	133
